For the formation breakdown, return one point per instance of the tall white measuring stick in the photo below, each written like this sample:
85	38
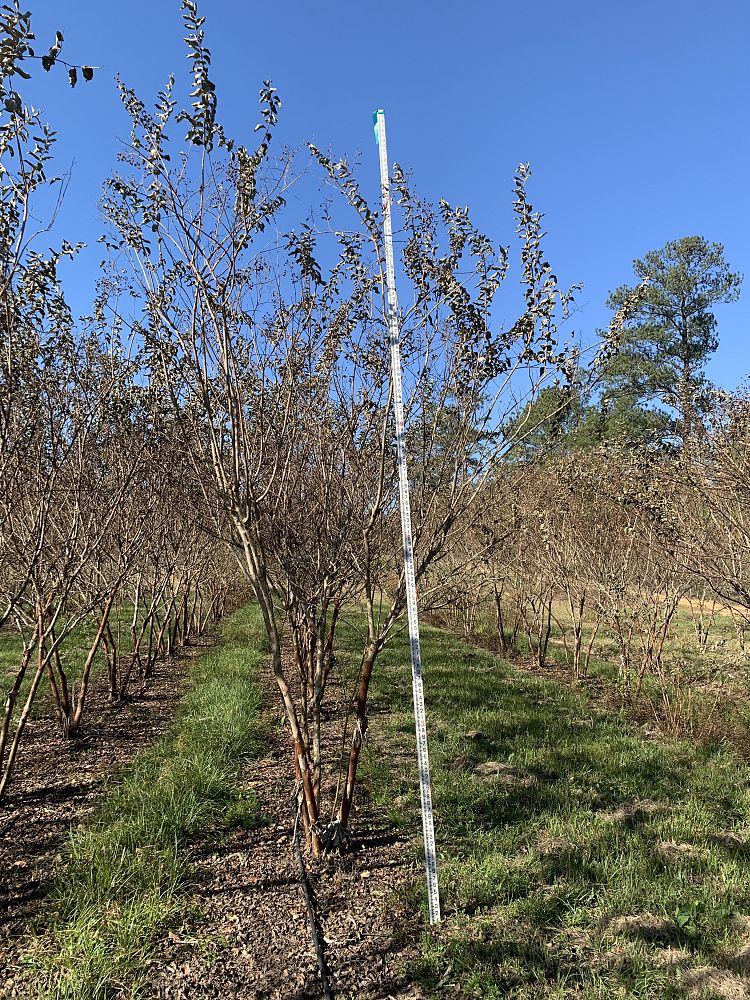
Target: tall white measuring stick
430	855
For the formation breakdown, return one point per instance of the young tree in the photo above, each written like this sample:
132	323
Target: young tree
274	356
672	334
41	424
710	501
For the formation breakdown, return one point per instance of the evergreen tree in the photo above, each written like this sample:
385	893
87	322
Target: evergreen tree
672	334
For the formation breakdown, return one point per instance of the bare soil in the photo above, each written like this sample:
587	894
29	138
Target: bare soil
245	931
252	939
57	784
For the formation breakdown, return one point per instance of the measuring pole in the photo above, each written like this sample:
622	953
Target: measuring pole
430	855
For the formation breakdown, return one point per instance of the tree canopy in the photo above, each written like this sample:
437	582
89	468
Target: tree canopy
672	333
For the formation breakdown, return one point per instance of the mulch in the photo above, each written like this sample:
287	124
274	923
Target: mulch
57	785
252	939
245	933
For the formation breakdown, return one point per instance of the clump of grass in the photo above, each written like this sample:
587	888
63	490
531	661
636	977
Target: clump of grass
584	857
121	877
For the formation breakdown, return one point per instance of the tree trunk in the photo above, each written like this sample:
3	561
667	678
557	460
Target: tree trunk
360	730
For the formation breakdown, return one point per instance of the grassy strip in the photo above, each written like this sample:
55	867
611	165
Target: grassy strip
700	693
121	877
592	863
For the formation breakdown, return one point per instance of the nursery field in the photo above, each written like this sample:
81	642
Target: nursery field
579	857
263	404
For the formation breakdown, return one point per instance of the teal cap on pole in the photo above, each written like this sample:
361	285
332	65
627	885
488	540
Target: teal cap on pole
375	123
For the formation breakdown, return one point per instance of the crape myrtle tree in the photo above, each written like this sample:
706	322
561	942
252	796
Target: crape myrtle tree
270	340
605	541
471	387
31	302
710	501
46	409
459	588
83	452
85	524
590	539
66	479
247	351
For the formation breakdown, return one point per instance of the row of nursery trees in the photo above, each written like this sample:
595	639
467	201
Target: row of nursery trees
225	414
611	539
627	503
104	569
100	558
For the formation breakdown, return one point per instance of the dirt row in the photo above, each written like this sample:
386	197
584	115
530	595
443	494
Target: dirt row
245	931
57	785
253	941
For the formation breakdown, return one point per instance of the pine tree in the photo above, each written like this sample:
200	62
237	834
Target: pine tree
672	334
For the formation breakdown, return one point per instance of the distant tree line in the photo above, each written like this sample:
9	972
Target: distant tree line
652	392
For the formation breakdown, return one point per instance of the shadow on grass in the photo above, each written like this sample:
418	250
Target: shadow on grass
562	835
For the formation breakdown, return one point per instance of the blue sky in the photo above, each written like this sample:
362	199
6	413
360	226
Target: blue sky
632	114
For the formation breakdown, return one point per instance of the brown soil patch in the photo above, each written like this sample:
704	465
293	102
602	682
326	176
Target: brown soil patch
741	961
670	850
667	957
730	841
505	773
252	938
57	785
612	960
720	608
633	811
547	844
647	926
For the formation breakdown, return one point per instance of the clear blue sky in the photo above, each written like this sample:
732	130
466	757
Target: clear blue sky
633	114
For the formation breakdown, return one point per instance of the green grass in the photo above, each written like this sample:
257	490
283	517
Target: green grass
73	652
536	865
701	693
121	877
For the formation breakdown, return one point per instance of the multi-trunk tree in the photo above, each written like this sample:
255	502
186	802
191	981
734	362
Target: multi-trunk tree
269	337
86	458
